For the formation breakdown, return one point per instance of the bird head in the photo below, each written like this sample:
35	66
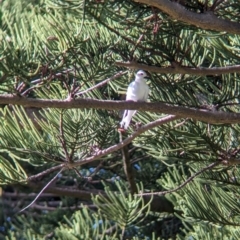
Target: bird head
141	75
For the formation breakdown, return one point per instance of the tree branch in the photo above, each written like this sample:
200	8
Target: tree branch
46	172
127	166
107	150
158	204
206	20
213	117
212	165
126	141
177	69
165	205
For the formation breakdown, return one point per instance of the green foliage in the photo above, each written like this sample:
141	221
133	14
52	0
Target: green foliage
48	48
208	232
24	227
122	209
84	225
10	170
204	199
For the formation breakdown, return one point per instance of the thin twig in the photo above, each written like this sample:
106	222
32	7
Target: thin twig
135	46
34	200
37	206
180	124
30	89
184	183
52	76
218	106
46	172
91	175
119	74
80	175
215	4
138	159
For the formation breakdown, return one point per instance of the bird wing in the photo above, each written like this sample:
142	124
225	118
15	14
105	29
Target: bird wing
131	91
146	93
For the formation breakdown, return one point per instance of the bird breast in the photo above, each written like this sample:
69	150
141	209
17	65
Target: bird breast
137	91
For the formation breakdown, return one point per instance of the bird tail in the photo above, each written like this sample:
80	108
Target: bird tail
127	116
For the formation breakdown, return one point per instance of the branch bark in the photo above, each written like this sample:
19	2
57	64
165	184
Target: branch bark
127	166
206	20
158	204
177	69
213	117
126	141
106	151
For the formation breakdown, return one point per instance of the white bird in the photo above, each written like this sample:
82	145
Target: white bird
137	91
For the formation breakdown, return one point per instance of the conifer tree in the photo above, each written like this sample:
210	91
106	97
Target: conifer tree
66	172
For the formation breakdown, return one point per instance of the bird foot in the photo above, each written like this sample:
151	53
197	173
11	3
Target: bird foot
138	125
121	130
